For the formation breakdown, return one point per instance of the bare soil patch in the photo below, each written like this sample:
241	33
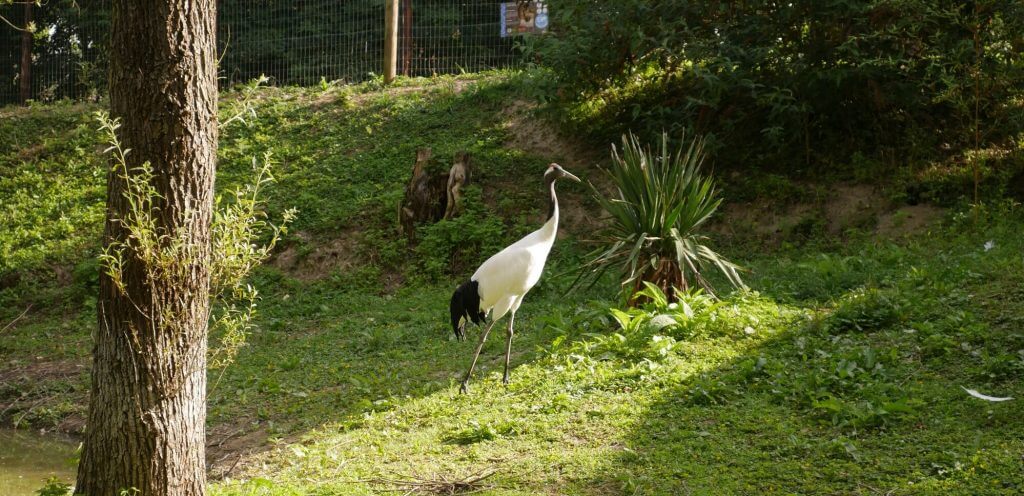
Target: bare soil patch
908	220
537	137
324	257
26	389
843	207
36	372
852	205
229	446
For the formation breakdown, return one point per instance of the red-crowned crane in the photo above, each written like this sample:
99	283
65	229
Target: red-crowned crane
500	284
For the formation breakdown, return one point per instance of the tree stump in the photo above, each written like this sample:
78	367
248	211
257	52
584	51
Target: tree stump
434	191
458	176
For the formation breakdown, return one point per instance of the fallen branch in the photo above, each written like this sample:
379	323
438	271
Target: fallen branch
438	484
11	323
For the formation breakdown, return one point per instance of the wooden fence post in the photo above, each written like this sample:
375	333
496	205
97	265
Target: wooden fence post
25	78
390	40
406	37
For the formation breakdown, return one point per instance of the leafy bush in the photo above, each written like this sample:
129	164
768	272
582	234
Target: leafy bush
649	331
454	246
863	310
791	81
661	202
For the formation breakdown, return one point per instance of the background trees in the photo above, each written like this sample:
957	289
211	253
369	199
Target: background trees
68	52
803	83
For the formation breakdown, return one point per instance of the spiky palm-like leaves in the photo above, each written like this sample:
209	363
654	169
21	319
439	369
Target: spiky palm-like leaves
660	203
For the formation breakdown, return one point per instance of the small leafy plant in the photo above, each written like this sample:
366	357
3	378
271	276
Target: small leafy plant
452	246
54	487
477	433
661	202
238	224
863	311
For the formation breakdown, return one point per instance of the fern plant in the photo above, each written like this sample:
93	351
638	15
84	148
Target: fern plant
661	202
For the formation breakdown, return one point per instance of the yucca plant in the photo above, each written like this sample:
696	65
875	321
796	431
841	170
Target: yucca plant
660	203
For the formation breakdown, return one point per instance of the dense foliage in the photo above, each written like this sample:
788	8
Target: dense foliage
797	83
69	56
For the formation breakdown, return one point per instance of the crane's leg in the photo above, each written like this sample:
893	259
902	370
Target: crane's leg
508	348
483	337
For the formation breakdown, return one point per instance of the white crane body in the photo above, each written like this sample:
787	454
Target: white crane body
505	278
500	283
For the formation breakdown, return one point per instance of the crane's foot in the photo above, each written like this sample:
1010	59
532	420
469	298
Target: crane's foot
465	388
505	380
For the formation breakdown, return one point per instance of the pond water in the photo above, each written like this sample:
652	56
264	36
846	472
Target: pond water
27	459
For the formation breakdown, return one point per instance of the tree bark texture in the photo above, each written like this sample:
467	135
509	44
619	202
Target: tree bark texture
147	411
25	75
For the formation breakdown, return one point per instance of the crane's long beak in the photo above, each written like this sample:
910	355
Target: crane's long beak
570	176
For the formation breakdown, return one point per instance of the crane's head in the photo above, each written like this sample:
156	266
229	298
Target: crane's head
556	171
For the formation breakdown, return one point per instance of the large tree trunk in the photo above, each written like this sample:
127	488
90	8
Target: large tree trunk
147	410
25	76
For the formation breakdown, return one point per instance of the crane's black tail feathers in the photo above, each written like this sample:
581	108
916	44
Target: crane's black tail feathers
465	304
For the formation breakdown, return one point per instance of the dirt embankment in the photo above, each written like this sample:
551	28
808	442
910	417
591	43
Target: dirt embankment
840	208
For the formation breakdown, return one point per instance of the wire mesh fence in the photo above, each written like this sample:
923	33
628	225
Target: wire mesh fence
66	53
297	42
443	37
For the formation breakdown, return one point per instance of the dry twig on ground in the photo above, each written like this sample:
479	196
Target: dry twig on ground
437	483
8	326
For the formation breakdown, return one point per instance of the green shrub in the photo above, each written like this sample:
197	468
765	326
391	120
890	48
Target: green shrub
454	246
54	487
660	205
863	310
786	84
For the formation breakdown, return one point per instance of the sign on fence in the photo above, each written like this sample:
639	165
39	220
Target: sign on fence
523	17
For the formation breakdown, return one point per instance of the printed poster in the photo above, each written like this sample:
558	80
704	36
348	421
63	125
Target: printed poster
523	17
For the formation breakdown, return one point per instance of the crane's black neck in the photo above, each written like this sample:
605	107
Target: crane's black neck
550	179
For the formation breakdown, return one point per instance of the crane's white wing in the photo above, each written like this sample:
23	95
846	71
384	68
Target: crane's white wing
506	273
513	271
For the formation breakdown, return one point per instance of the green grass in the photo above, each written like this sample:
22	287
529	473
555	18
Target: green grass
840	373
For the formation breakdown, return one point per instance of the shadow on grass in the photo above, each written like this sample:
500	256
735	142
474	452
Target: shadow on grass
843	402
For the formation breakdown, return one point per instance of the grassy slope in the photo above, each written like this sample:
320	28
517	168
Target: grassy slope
841	375
833	389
